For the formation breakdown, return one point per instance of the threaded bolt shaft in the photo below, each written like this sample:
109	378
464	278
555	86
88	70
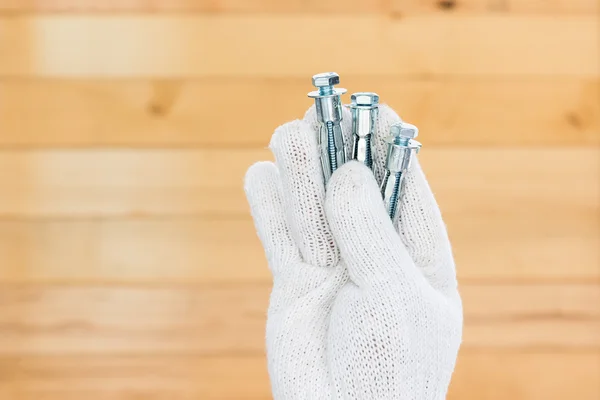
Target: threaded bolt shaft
329	113
400	150
331	146
325	90
369	155
395	195
401	140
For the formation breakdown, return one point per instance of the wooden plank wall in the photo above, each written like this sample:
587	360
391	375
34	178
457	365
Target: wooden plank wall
125	130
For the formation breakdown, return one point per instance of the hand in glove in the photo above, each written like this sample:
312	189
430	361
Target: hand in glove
362	307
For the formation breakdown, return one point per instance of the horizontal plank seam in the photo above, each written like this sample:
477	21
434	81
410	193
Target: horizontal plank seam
413	78
225	217
261	355
28	12
452	77
208	216
387	13
133	217
158	148
474	349
266	284
534	317
542	144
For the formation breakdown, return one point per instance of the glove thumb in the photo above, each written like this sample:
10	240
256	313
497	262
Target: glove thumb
369	244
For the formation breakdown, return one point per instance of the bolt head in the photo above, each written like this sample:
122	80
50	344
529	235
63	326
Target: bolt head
326	79
364	99
404	129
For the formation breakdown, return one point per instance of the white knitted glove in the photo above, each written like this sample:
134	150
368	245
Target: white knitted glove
361	308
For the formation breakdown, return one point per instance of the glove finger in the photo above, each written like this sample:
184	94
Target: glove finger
422	230
367	239
421	227
263	190
296	153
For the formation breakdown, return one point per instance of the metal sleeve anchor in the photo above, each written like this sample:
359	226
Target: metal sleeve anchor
401	147
365	108
329	114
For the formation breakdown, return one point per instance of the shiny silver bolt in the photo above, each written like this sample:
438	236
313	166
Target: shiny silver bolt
329	114
365	108
401	146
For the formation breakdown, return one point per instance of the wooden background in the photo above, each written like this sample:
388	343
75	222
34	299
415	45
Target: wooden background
129	266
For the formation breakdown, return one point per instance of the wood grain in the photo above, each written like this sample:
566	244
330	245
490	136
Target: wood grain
494	184
529	375
83	113
97	320
141	377
177	46
198	250
311	6
125	183
494	375
91	251
227	320
212	6
530	7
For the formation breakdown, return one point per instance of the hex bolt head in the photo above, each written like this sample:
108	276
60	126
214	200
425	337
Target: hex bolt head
364	99
325	83
403	132
325	79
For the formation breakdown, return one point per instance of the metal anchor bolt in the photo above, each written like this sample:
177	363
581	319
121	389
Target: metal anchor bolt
329	114
365	108
401	146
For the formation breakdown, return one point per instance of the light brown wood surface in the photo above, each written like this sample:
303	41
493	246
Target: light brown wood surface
159	113
172	46
494	183
197	250
129	265
230	319
304	6
496	375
